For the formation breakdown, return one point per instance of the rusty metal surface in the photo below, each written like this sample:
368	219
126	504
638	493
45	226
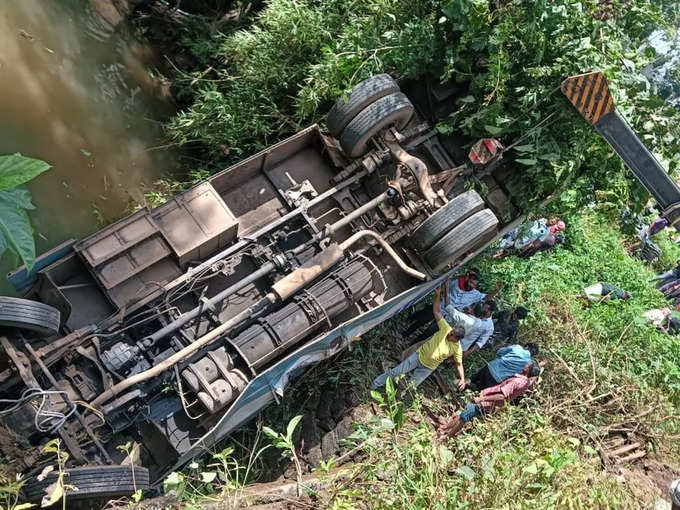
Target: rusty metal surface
132	261
417	168
68	403
68	285
255	203
144	283
316	266
23	366
196	223
117	253
116	238
129	258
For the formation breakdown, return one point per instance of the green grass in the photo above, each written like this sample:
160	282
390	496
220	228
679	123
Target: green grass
608	371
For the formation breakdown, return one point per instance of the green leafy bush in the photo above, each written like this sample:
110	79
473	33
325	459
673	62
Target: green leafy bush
514	55
256	85
16	234
246	104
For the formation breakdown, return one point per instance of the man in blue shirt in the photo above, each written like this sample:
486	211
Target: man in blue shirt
510	360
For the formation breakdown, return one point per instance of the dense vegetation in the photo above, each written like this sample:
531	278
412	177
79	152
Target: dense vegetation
609	371
609	374
248	84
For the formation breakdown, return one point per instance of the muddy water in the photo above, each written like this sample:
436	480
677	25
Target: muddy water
78	95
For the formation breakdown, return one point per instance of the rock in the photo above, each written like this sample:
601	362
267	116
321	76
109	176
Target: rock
311	435
309	431
338	405
323	411
352	398
329	444
114	12
314	456
344	427
290	473
361	414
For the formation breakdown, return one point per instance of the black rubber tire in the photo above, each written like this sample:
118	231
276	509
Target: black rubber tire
470	235
445	219
362	95
93	482
30	315
393	109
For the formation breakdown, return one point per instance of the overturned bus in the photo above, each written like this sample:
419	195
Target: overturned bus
175	325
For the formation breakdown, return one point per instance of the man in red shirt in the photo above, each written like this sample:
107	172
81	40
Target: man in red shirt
491	399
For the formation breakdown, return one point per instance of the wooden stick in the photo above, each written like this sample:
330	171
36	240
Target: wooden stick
614	442
611	355
564	363
628	420
624	449
634	456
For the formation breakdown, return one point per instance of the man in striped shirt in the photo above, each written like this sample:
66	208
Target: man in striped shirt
491	399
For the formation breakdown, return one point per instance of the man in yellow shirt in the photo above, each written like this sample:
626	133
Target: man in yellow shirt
444	344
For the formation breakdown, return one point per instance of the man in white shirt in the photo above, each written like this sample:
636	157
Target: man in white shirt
460	293
478	329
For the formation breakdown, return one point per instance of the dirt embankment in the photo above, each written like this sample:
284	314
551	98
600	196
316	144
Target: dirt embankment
114	12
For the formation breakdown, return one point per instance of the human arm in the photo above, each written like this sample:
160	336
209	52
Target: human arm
472	349
461	375
484	335
441	382
436	305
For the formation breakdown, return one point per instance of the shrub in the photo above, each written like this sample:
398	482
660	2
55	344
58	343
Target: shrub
283	71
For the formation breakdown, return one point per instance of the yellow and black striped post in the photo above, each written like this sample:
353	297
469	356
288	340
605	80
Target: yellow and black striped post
589	93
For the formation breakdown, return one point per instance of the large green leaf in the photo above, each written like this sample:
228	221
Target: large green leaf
16	169
15	227
292	424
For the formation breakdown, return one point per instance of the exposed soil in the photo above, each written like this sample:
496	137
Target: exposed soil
114	12
649	480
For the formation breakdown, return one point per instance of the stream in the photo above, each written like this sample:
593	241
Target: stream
79	95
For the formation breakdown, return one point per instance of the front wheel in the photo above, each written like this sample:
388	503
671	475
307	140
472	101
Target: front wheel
29	315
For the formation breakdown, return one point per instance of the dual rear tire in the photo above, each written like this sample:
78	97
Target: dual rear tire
373	105
463	239
459	228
